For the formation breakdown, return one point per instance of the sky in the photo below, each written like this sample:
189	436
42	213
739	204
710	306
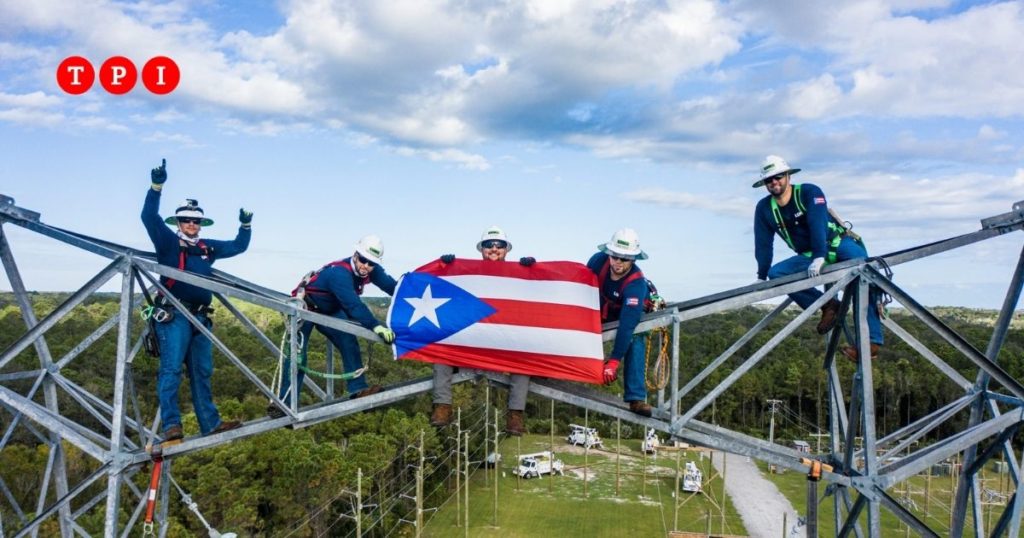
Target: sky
561	121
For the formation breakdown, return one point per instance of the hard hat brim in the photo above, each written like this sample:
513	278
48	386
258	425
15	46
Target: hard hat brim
173	221
480	244
367	256
609	250
760	182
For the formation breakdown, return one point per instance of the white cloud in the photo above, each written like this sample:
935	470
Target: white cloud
684	200
625	79
179	139
815	98
458	157
987	132
31	116
36	99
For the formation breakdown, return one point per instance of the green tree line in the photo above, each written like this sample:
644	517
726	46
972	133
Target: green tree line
297	481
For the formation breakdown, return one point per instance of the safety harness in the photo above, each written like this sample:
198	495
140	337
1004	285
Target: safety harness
611	305
305	287
185	250
304	291
835	230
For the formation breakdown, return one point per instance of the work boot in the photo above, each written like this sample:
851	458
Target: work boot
442	415
274	411
173	433
226	425
640	407
829	316
850	352
514	423
372	389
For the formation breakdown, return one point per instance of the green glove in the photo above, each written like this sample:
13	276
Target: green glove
159	175
245	217
385	334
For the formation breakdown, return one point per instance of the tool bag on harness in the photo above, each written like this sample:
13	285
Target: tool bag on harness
612	306
305	289
836	229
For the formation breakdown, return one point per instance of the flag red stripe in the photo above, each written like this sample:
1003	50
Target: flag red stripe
582	369
546	315
564	271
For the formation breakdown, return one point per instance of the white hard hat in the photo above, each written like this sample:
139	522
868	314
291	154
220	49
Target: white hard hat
189	209
624	243
772	166
493	233
371	248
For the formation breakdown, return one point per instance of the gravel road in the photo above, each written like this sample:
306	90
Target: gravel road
757	500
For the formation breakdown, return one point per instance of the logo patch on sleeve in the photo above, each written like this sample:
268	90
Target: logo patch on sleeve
632	301
819	200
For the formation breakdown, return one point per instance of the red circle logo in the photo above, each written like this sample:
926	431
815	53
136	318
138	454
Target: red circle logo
118	75
161	75
75	75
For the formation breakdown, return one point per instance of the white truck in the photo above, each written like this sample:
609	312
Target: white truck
587	437
534	465
651	442
693	479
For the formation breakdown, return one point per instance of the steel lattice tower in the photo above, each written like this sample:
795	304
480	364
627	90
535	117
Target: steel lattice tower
862	478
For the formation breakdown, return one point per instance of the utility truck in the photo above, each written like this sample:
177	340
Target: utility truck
587	437
693	479
651	442
534	465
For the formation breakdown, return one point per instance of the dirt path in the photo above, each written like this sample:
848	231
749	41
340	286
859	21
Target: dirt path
758	501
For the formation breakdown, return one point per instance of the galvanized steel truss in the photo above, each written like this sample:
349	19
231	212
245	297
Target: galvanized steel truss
116	436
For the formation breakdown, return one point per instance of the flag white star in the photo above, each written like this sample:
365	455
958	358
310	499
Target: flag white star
426	307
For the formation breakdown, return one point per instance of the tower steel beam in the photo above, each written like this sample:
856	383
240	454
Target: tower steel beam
968	482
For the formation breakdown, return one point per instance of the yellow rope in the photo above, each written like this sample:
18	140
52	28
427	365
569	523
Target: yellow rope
657	375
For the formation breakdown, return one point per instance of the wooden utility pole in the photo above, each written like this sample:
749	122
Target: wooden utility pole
458	458
359	502
551	448
419	489
675	498
643	475
586	450
618	452
771	427
494	521
458	477
487	433
465	462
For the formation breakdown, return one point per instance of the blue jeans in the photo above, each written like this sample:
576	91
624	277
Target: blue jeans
351	358
848	250
634	370
183	344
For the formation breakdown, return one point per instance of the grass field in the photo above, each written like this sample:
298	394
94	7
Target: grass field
571	506
927	497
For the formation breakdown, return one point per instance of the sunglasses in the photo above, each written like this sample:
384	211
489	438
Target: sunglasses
494	243
364	261
773	179
190	220
621	259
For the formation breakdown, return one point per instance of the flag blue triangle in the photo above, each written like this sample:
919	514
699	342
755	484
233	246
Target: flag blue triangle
461	310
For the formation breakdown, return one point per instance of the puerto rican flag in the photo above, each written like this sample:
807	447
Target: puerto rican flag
543	320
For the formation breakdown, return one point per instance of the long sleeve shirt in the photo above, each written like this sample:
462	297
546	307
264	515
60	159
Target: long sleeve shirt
337	288
808	231
168	251
631	298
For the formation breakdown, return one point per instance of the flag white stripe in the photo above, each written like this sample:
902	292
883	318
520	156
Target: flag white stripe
518	289
529	339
